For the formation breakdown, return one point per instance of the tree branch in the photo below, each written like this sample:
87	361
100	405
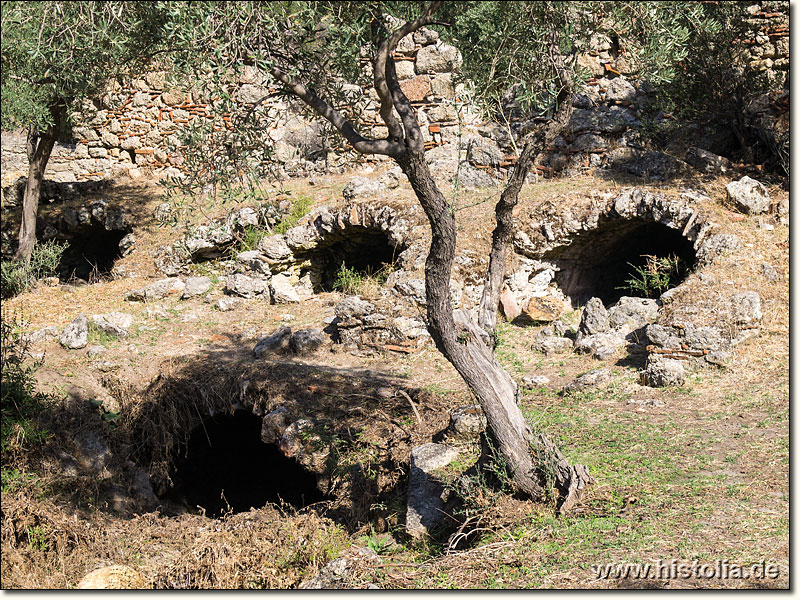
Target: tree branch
388	87
533	143
361	144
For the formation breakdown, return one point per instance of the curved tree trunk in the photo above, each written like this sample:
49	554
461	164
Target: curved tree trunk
467	347
534	464
462	343
38	156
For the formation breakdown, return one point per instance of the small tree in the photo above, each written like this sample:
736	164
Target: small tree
56	56
313	46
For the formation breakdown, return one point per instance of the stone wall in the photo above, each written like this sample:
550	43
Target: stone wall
134	129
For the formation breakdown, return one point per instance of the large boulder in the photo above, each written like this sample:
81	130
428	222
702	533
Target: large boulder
306	341
113	323
246	286
171	286
196	286
630	314
663	372
278	342
748	195
76	334
594	319
282	291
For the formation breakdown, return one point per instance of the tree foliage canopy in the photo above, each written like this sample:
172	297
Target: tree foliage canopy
55	55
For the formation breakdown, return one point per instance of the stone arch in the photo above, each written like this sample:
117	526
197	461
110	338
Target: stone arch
363	237
591	251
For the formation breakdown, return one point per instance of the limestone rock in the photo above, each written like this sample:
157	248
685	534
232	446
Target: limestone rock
273	424
716	246
95	351
425	492
245	286
282	291
277	342
306	341
620	90
195	286
748	195
594	318
113	323
115	577
227	304
467	421
552	344
41	335
747	309
438	58
301	441
158	290
254	261
534	381
361	187
410	328
543	309
274	248
630	314
589	380
707	162
76	334
508	305
663	372
353	307
600	345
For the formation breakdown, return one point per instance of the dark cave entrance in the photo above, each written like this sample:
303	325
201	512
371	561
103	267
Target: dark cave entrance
599	262
226	464
91	253
363	251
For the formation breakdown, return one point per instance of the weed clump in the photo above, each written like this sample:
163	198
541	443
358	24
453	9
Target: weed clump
20	403
656	276
17	277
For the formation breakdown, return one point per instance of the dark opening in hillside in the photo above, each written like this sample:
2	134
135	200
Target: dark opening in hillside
91	254
600	262
359	250
226	466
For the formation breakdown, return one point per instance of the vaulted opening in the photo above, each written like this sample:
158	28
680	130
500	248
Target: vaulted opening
359	251
91	254
622	258
226	467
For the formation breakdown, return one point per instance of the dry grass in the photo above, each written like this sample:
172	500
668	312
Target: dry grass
695	473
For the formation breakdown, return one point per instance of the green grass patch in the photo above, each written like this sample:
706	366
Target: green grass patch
300	208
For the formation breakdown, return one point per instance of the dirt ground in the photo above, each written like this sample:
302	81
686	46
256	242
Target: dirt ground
698	474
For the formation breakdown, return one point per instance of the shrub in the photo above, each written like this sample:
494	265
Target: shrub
20	403
656	276
352	282
16	276
299	209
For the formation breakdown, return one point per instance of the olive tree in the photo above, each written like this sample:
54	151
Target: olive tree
310	48
55	57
